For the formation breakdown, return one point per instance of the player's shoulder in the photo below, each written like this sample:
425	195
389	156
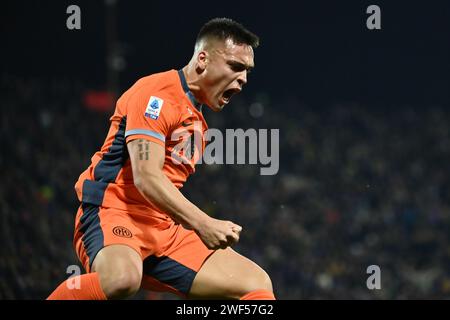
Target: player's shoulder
163	85
156	80
158	95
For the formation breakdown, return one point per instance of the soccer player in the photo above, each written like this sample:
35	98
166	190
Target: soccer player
134	228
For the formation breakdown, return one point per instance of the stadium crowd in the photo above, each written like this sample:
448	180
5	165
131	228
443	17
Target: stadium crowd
357	186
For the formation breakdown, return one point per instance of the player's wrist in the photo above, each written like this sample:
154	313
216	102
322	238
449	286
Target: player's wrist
199	221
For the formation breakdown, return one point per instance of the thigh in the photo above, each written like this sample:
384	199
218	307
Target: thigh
174	267
118	262
228	275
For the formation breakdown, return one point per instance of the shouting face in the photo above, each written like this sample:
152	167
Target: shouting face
224	66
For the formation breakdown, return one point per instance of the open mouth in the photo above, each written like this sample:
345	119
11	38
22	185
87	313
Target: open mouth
226	96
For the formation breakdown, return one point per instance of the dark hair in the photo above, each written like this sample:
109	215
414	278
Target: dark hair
225	28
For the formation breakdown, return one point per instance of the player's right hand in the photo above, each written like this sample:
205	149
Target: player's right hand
218	234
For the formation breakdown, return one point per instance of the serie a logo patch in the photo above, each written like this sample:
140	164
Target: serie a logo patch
154	107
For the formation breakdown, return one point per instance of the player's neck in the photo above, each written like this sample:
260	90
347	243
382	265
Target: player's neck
193	81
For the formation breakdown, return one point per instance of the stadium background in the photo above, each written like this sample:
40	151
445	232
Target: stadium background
364	137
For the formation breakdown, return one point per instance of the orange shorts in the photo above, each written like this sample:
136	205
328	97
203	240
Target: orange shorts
171	254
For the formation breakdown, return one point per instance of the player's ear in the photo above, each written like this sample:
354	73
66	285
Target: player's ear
202	61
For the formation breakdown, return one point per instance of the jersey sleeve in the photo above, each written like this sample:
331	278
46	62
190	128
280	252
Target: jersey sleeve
149	117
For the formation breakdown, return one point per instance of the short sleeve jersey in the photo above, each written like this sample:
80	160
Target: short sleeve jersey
159	108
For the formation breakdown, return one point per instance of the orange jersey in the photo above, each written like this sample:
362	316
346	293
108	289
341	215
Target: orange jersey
159	108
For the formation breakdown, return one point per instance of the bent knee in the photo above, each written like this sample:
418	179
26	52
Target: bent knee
120	271
266	282
261	280
120	284
257	281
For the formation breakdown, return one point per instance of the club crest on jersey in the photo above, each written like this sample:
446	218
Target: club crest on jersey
154	107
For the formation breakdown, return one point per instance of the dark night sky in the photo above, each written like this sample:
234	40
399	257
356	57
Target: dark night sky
316	50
